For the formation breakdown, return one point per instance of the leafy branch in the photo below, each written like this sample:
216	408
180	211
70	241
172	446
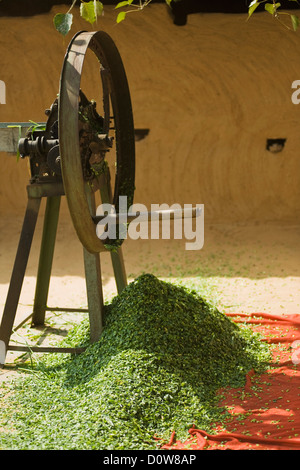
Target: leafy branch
129	3
90	10
274	9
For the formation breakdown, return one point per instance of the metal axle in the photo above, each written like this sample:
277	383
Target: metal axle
148	215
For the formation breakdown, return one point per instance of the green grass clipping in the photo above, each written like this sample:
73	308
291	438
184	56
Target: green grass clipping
163	356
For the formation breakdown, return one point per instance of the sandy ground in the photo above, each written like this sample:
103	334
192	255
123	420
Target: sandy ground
240	268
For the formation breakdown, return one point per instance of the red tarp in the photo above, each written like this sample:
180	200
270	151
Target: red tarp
265	414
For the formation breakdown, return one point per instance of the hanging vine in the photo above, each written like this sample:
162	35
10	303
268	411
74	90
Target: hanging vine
91	10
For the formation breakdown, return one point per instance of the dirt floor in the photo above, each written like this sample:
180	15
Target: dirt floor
240	268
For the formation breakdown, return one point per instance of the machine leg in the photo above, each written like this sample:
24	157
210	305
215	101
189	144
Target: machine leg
94	293
119	269
93	282
45	260
18	274
116	256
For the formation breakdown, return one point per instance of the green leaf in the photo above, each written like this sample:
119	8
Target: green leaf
295	21
168	2
63	22
121	16
36	127
271	8
91	10
122	4
98	6
252	7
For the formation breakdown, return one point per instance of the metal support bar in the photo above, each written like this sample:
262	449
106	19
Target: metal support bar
165	214
116	256
119	269
39	190
94	293
45	260
93	282
18	274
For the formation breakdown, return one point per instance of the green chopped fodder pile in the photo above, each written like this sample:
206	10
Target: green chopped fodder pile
163	355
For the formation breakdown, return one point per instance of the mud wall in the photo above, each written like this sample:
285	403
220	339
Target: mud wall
211	93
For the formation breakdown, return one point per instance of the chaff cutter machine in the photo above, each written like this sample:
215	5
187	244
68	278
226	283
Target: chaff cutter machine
68	157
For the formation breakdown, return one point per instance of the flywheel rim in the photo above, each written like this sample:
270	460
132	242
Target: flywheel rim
68	105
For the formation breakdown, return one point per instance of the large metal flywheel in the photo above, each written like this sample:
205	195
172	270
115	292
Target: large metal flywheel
88	131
